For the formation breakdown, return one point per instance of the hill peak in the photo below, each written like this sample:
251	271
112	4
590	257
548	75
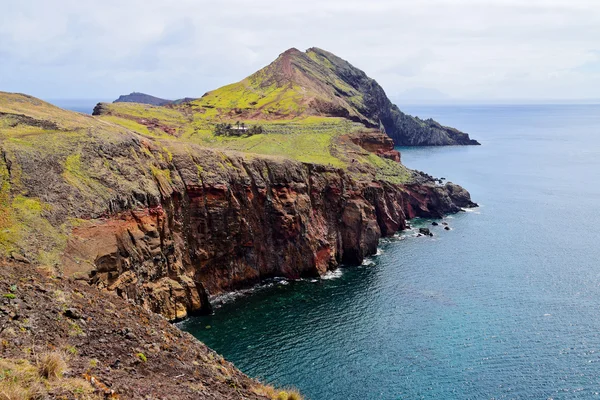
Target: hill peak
291	51
319	83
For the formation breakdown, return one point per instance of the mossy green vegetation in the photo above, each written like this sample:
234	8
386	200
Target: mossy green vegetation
306	139
388	170
129	147
58	168
295	100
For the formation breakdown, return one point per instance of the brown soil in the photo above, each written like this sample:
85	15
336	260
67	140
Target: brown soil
107	338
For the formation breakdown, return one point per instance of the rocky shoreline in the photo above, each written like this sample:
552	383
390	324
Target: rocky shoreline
245	221
109	230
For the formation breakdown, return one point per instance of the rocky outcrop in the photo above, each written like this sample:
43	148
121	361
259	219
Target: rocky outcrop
142	98
225	221
317	82
379	112
378	143
116	350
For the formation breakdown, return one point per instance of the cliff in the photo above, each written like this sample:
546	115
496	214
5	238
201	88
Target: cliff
309	86
108	220
379	111
166	223
64	339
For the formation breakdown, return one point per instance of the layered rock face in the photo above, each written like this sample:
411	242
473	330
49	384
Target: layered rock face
166	223
225	222
378	143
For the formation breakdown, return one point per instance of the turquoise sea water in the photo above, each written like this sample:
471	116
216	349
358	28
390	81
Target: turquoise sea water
506	305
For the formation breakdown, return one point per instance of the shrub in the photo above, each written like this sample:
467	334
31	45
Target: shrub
228	130
19	380
293	394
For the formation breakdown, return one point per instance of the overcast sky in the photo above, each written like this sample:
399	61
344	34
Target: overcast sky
464	49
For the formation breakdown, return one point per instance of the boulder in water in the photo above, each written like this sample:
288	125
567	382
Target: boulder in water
425	231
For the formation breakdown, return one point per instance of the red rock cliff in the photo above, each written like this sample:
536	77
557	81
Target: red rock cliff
225	222
378	143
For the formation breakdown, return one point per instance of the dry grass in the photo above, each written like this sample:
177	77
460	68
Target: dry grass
52	365
20	380
9	391
277	394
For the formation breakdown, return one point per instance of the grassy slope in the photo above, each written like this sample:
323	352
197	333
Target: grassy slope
291	98
66	332
285	89
59	168
55	168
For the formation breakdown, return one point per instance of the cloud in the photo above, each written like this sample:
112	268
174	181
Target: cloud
466	48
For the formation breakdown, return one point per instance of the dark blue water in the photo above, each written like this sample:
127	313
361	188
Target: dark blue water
506	305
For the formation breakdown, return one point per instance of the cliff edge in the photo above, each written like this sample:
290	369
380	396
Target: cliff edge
167	223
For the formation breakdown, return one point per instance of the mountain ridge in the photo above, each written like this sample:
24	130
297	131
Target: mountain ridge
317	82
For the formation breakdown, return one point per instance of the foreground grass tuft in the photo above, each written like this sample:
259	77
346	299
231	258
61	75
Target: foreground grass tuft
277	394
20	380
52	365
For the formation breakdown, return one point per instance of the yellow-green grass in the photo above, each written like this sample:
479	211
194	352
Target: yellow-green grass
42	141
22	380
305	139
310	139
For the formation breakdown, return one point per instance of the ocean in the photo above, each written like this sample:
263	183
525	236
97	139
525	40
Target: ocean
506	305
85	106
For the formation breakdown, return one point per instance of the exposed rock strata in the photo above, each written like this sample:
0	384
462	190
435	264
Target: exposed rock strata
225	222
378	143
166	223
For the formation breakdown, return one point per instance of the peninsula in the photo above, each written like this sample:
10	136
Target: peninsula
110	221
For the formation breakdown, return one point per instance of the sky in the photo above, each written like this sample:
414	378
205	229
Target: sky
494	50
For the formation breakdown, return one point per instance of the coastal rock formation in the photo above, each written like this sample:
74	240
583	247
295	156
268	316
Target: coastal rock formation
142	98
378	143
115	350
167	224
224	222
136	97
379	111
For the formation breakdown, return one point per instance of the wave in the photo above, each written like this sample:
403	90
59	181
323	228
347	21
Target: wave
335	274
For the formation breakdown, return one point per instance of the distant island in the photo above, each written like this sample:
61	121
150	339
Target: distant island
143	98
